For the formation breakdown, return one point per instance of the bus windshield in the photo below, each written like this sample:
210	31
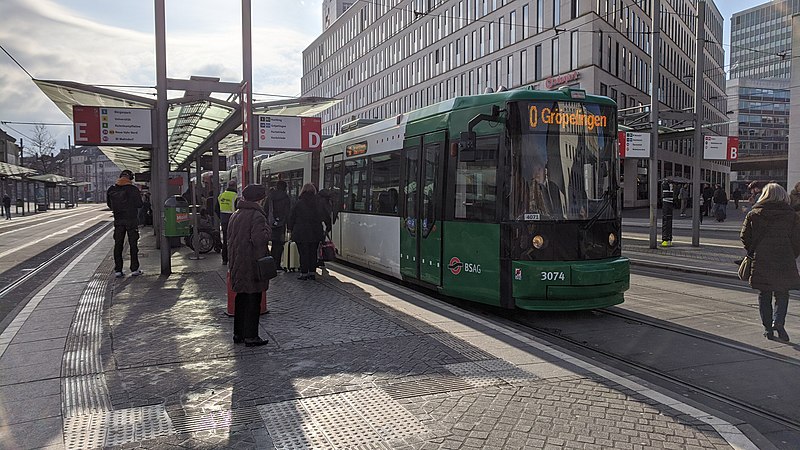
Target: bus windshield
563	161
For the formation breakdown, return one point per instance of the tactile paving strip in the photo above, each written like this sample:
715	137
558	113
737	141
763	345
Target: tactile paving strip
427	386
368	419
466	349
85	395
193	423
113	428
490	372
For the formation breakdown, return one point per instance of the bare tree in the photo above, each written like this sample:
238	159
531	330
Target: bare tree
39	152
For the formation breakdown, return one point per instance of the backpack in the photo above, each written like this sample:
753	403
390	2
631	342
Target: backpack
118	198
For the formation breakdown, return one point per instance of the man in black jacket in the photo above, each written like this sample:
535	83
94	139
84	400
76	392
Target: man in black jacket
278	208
124	199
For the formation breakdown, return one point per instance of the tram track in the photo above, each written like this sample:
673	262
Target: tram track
587	350
14	296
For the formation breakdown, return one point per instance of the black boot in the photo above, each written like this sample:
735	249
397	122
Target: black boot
782	334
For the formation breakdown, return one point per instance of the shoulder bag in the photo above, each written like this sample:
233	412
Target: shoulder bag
746	266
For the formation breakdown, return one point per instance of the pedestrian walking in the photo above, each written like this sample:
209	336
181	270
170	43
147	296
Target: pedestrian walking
683	195
737	195
708	194
226	203
771	236
124	199
248	239
7	206
279	208
305	223
794	197
755	191
720	199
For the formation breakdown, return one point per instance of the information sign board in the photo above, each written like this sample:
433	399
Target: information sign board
289	133
634	145
98	125
721	147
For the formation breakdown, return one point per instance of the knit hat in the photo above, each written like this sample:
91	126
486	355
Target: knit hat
127	174
254	192
232	184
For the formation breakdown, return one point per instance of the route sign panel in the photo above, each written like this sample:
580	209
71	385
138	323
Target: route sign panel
289	133
721	147
98	125
634	145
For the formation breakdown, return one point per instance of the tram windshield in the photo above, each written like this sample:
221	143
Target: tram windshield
563	158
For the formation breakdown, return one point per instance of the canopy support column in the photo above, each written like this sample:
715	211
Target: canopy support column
160	156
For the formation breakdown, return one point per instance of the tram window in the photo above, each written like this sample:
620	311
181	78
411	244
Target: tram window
385	183
333	181
476	183
410	188
356	186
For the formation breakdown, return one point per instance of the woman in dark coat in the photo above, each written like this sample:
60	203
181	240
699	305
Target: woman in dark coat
305	223
248	235
771	235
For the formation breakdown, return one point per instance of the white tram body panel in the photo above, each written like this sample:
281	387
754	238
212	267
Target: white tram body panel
369	240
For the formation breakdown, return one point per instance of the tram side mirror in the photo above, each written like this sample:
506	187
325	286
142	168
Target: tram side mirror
466	146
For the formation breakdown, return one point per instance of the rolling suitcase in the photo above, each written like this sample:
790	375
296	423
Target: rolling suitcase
290	260
720	213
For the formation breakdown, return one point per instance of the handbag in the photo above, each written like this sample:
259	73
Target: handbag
267	269
746	268
327	250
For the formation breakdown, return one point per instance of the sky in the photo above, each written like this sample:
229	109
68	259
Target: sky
112	43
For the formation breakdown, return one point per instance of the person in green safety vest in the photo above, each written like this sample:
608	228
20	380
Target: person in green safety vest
227	205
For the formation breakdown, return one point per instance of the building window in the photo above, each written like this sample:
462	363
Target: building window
575	7
539	15
523	68
512	25
525	21
491	37
483	42
500	27
556	12
573	59
603	89
537	62
510	71
554	60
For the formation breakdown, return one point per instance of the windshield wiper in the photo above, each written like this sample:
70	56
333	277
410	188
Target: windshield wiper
607	196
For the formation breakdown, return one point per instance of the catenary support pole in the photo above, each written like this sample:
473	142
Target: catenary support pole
160	156
652	170
247	78
699	79
215	190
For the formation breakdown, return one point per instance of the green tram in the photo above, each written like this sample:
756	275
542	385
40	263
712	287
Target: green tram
509	198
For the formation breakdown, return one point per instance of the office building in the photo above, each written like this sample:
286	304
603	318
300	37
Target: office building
759	89
332	9
760	117
761	40
387	58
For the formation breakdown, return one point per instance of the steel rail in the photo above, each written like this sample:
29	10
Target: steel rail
55	258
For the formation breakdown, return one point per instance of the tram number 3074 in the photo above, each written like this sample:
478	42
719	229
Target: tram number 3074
553	276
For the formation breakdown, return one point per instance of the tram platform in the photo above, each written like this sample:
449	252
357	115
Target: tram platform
353	361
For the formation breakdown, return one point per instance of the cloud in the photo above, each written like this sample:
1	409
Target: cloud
55	42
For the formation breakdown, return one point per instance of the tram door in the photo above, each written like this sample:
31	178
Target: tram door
421	229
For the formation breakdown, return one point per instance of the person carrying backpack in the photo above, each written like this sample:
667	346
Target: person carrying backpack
124	199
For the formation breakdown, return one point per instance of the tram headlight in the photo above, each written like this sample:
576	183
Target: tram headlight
538	242
612	239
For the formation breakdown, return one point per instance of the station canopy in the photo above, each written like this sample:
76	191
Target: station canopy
52	178
195	121
11	171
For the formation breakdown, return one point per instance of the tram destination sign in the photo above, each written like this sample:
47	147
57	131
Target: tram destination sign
98	125
289	133
721	147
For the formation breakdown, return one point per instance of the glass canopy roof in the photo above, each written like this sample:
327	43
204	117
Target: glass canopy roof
10	170
190	121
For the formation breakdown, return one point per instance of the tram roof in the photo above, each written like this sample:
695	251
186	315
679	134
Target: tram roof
195	121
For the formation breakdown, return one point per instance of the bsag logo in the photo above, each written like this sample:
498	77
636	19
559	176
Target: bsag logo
456	266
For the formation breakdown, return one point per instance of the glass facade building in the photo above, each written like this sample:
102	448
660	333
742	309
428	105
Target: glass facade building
391	57
759	88
761	40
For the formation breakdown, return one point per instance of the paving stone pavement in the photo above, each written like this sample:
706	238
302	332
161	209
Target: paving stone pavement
150	363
